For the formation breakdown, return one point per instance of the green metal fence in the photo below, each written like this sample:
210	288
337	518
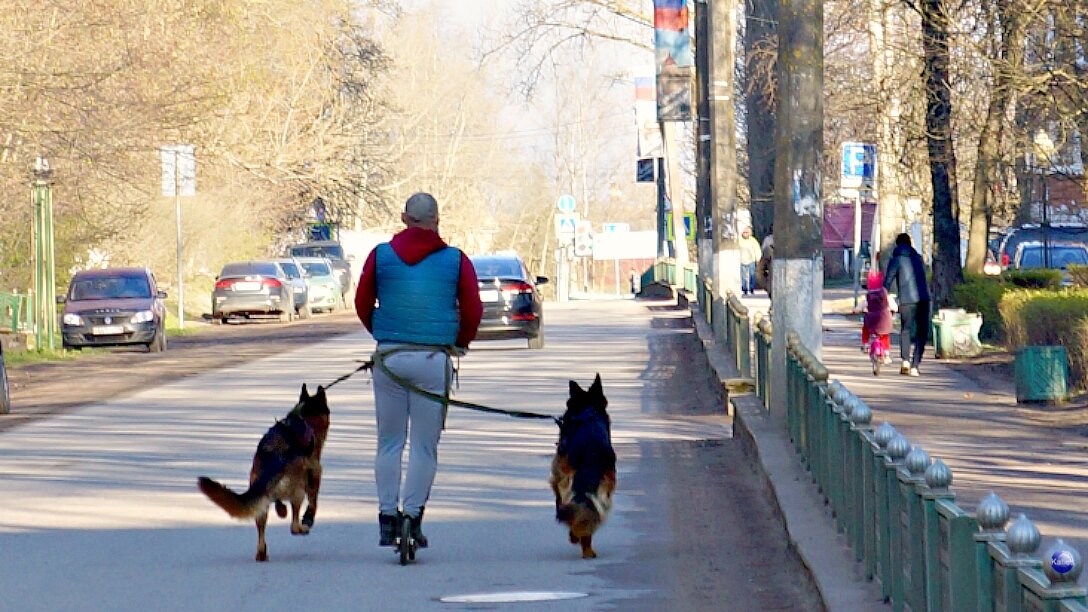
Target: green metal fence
896	510
664	270
738	333
16	312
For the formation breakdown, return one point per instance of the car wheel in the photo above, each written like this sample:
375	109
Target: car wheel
537	341
158	343
5	397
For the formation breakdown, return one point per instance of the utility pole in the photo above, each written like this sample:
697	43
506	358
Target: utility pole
45	286
797	267
704	210
723	158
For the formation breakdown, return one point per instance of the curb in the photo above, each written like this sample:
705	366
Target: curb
803	511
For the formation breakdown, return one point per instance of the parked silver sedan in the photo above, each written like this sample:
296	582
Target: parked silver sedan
299	289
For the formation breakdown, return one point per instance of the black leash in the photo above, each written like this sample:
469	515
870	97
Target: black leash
366	366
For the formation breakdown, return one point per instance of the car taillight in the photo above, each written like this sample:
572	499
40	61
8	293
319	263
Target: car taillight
224	284
524	317
271	283
511	289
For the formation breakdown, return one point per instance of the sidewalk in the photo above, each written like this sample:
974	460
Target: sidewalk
1034	457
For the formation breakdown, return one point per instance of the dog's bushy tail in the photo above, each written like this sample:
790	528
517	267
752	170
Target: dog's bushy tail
583	515
240	506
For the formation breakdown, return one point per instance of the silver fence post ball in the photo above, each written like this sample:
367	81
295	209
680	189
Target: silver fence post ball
884	434
1023	536
992	513
917	461
862	414
834	390
849	404
938	476
1062	563
898	447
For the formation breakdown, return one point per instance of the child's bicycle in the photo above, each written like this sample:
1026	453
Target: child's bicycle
878	354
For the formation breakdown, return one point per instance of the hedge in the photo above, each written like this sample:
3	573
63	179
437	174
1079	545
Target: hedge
1052	318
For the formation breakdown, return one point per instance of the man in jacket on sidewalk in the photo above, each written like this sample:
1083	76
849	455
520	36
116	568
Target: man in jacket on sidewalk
428	307
907	274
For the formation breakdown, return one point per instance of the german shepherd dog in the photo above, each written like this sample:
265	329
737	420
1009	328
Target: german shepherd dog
286	466
584	469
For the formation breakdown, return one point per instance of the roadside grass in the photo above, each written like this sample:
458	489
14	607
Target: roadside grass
22	358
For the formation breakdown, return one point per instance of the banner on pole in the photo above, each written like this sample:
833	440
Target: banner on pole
674	59
650	143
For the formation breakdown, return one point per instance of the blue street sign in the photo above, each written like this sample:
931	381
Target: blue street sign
565	204
565	225
858	165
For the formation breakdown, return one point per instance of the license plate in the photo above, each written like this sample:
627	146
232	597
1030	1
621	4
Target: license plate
107	330
247	286
489	295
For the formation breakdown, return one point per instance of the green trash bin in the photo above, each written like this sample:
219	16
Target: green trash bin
1041	373
955	333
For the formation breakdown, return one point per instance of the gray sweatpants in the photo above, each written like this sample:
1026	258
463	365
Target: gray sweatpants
404	415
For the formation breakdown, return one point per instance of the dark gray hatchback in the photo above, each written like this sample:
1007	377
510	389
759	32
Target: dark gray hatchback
112	307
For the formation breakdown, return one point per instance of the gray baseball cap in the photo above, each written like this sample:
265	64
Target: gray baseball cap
421	207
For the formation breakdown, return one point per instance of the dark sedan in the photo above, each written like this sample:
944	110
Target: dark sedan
512	304
112	307
252	288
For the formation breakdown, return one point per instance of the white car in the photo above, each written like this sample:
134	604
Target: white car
324	289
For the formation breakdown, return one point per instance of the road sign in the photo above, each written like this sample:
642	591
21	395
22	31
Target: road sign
565	204
178	170
858	165
615	228
565	225
689	222
645	171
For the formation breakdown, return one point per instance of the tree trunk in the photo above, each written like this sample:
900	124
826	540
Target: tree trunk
889	142
759	40
947	272
1008	62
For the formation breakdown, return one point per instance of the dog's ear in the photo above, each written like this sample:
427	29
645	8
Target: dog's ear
320	391
305	393
596	392
575	389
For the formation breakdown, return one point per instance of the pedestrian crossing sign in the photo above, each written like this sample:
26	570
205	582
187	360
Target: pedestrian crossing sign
565	225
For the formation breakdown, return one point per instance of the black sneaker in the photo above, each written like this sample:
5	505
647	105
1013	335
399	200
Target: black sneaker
387	526
417	530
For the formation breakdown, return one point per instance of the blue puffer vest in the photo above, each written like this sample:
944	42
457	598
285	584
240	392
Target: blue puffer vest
417	304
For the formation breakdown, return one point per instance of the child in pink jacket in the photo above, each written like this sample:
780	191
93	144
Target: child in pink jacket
878	314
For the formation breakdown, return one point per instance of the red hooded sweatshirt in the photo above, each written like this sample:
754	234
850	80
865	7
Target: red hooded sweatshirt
413	245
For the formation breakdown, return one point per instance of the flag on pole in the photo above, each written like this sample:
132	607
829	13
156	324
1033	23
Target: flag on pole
674	59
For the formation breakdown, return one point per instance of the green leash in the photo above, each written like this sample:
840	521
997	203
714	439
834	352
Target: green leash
445	400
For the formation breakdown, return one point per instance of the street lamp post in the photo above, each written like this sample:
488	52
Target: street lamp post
45	292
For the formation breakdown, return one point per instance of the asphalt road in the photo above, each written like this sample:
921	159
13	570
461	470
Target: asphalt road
102	513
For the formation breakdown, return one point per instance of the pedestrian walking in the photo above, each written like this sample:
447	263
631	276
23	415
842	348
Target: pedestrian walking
907	274
764	272
750	253
419	298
